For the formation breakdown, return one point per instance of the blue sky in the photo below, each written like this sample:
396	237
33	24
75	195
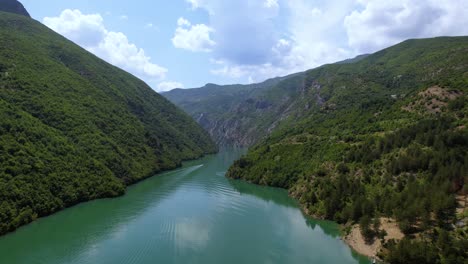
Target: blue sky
187	43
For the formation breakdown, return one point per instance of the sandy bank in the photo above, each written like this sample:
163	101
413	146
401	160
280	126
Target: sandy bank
356	241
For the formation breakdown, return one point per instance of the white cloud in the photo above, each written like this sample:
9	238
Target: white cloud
195	38
167	86
195	3
116	49
254	73
271	3
86	30
256	41
246	35
253	40
317	33
123	17
183	22
89	32
383	23
263	39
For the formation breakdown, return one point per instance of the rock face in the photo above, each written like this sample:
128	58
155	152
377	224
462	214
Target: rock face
13	6
241	115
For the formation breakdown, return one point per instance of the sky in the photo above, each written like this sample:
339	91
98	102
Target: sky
188	43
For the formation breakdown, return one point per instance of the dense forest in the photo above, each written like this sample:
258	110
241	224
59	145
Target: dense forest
387	139
74	128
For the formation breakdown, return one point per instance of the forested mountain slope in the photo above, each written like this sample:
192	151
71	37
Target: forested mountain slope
242	115
388	138
238	114
75	128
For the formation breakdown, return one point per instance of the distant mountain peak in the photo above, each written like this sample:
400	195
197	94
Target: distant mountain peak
13	6
353	60
212	85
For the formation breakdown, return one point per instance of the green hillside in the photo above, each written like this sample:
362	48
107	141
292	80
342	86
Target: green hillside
75	128
388	138
242	115
238	114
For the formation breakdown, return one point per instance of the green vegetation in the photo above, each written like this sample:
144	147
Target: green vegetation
242	115
239	114
363	141
74	128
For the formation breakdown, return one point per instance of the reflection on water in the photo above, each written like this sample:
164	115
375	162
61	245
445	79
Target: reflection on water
267	194
190	215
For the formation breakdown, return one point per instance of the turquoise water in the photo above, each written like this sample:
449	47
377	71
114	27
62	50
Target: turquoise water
190	215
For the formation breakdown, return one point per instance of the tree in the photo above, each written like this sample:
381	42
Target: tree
366	231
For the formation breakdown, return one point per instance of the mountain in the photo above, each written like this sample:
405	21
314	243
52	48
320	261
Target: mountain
388	138
75	128
380	135
13	6
240	115
353	60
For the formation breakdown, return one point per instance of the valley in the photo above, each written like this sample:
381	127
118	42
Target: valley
104	160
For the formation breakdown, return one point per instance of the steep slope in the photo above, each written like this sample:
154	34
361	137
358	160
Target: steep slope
75	128
239	114
388	139
242	115
13	6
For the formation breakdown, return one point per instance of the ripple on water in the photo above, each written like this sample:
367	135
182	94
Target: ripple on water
190	215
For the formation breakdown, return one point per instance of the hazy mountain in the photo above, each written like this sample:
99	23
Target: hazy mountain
13	6
240	114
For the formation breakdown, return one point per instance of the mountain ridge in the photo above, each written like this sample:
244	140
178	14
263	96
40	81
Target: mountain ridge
13	6
215	107
262	105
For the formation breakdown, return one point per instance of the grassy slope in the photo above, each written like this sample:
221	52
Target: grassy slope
360	155
74	128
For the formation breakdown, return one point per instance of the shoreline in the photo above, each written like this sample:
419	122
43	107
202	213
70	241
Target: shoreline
356	241
126	186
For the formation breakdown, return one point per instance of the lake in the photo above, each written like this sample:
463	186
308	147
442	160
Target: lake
189	215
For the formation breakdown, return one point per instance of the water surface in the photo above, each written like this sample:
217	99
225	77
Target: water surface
190	215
